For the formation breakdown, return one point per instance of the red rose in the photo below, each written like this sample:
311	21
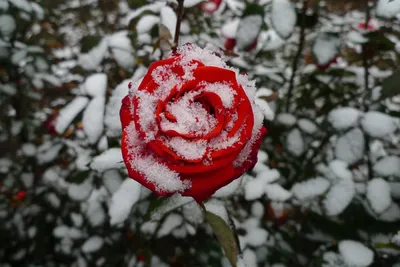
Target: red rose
210	6
191	125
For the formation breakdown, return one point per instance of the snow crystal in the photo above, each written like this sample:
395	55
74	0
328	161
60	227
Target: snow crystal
311	188
295	142
283	17
123	200
277	193
187	149
96	84
378	124
92	119
339	197
69	112
286	119
344	118
388	166
93	244
350	146
355	253
223	90
110	159
170	223
378	195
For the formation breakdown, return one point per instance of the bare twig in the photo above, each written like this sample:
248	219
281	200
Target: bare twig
367	93
298	54
178	21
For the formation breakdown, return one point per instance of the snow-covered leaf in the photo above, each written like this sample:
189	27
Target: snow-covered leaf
95	85
249	26
355	253
339	197
344	118
295	142
277	193
310	189
378	124
93	244
69	112
326	47
388	166
92	119
123	200
378	195
109	159
350	146
283	17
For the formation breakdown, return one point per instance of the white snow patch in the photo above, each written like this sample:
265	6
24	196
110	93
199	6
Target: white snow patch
355	253
283	17
378	195
378	124
310	189
93	244
344	118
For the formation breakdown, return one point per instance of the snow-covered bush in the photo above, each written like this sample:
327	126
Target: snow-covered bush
325	190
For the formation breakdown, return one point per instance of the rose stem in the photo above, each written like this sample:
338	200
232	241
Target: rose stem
178	22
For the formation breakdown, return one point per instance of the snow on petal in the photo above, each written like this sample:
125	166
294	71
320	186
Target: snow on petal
123	200
378	195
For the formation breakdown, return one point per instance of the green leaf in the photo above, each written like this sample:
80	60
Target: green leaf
78	177
391	85
387	245
163	205
225	235
88	42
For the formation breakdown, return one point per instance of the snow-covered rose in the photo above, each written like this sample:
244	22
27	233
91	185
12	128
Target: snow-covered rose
191	125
